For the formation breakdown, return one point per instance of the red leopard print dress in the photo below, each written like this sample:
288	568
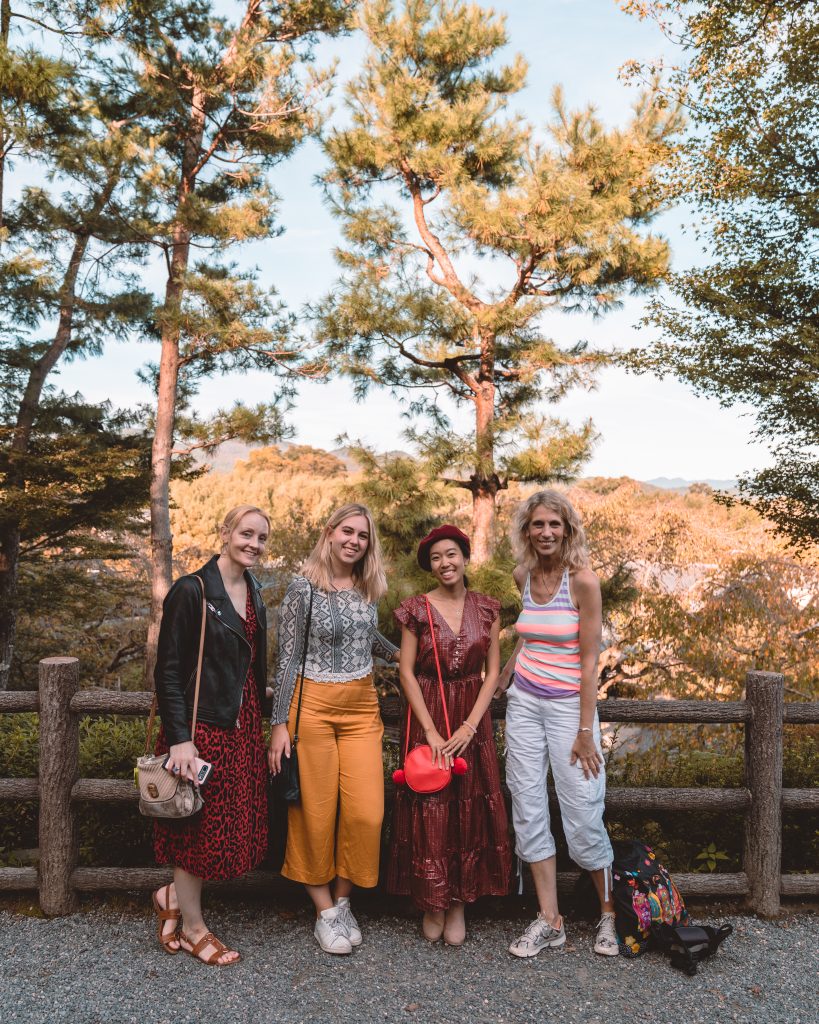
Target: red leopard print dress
229	837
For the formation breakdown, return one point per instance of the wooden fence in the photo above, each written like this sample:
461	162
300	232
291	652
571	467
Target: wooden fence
764	713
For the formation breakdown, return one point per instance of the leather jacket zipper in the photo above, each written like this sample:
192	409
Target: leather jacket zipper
243	638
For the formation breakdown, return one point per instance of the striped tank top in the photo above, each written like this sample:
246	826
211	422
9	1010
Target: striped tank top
548	664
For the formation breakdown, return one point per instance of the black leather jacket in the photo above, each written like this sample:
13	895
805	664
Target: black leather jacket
226	658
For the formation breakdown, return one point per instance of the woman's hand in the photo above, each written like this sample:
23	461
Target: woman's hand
437	743
459	741
181	761
279	747
585	751
504	681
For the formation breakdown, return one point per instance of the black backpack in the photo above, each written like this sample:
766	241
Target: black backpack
690	945
647	904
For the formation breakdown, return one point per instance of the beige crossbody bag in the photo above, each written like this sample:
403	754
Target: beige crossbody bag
162	794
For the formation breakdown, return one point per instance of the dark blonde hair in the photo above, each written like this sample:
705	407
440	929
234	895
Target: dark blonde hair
237	514
368	572
574	553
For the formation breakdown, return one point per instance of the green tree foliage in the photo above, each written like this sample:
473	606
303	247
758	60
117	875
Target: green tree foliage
462	228
92	608
714	594
743	327
406	501
221	103
296	485
67	280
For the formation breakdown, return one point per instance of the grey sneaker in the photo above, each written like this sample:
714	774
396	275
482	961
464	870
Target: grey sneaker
331	933
539	935
345	915
605	942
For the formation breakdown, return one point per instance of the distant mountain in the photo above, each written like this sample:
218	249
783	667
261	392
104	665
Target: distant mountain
676	483
343	454
228	454
225	457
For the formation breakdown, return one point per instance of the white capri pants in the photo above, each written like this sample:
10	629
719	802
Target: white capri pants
541	731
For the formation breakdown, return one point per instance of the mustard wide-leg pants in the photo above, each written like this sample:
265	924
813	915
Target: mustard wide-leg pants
335	829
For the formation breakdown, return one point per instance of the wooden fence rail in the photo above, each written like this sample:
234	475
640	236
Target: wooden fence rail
764	712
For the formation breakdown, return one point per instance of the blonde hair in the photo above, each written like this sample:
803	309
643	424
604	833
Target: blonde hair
237	514
574	553
369	576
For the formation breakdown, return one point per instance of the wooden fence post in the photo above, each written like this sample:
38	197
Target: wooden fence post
765	692
59	768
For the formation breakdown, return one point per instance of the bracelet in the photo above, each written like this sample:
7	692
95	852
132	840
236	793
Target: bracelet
469	725
585	728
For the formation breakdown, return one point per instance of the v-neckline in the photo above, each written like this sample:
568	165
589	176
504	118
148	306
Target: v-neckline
242	618
441	616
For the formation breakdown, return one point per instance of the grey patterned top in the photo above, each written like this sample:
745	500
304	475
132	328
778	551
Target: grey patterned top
343	639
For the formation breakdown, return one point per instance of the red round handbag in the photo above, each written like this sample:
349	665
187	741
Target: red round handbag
420	772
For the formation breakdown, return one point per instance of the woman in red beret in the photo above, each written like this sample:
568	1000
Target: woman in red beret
451	847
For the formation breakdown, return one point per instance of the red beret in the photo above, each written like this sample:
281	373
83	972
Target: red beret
445	532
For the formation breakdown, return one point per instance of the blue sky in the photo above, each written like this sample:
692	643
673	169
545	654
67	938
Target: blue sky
649	427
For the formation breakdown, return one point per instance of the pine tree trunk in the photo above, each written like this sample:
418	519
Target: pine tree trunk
9	554
485	483
483	526
21	439
5	25
169	364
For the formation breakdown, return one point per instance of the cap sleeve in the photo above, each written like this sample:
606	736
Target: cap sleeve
406	615
489	608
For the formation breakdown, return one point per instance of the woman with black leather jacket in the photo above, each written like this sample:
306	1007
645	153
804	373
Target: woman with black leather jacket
229	836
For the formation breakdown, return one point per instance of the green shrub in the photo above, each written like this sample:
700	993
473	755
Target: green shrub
19	746
114	835
110	746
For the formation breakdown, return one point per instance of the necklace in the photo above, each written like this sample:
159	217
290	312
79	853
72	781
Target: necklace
550	588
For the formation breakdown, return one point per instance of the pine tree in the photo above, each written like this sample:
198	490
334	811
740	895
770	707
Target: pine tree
743	327
433	184
66	466
222	104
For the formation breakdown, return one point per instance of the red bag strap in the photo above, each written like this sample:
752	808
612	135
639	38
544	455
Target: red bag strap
438	668
440	683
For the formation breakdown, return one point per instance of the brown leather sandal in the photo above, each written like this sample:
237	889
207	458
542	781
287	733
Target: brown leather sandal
219	949
163	914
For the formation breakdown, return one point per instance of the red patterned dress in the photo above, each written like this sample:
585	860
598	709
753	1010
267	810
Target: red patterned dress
229	836
452	845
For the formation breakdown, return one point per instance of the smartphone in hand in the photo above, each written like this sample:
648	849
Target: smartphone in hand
204	769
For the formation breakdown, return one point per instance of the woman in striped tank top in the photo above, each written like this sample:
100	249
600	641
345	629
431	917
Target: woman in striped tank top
551	716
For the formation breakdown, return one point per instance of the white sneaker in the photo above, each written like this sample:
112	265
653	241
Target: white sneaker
539	935
605	942
345	915
331	933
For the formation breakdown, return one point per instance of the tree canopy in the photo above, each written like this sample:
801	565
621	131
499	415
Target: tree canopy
68	278
463	226
744	327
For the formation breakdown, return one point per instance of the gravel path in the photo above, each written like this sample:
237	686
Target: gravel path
102	966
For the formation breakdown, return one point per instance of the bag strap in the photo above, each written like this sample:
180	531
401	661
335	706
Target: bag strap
155	702
716	936
303	663
440	683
